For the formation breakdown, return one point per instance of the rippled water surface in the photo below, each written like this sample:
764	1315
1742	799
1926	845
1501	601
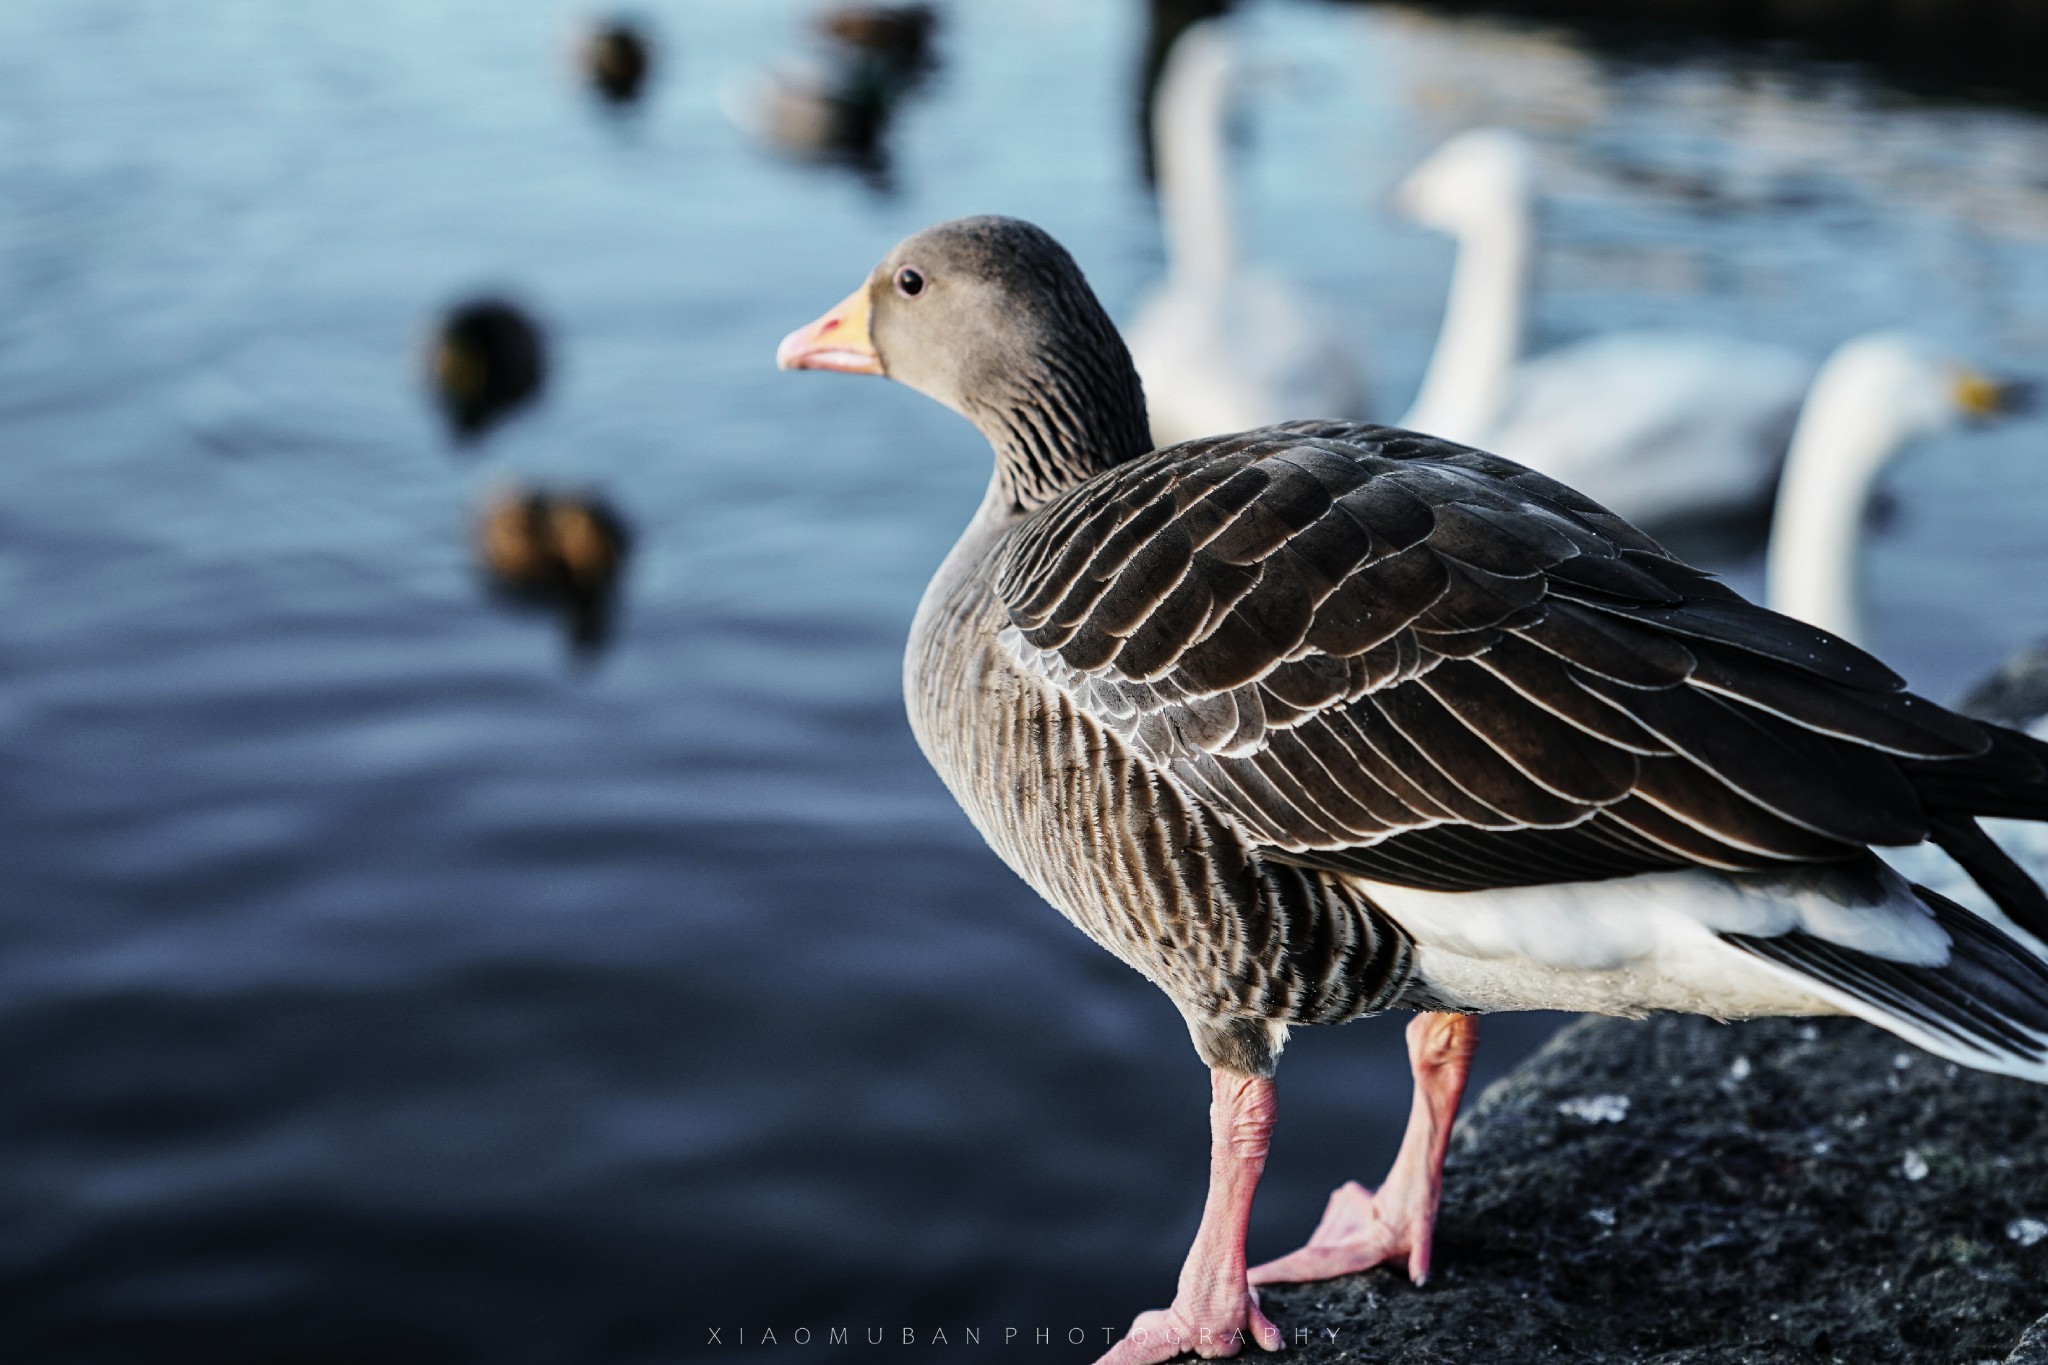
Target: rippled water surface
374	984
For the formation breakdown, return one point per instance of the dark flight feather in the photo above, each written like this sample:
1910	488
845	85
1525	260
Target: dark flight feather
1380	653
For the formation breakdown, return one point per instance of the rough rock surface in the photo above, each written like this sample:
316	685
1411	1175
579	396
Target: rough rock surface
1681	1192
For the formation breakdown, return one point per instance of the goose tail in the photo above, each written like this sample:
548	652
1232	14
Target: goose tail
1985	1007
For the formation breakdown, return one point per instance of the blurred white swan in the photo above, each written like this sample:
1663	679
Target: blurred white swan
1874	396
1222	345
1657	425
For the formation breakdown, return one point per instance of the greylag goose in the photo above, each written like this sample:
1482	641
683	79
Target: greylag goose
1325	718
559	551
1223	345
1660	426
1873	397
486	362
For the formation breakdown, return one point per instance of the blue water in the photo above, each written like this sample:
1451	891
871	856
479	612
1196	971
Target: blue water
377	984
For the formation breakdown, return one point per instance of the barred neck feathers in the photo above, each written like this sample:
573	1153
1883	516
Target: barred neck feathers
1069	414
994	319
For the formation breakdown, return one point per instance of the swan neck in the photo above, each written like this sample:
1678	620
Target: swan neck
1465	389
1843	441
1194	174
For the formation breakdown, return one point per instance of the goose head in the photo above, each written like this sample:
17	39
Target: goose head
991	317
1476	178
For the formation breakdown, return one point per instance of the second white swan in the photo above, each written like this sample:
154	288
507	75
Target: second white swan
1660	426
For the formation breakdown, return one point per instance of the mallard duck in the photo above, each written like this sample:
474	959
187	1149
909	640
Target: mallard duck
487	361
616	57
900	36
836	108
1325	718
830	113
561	551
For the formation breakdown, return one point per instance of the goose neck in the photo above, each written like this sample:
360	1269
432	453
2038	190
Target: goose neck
1060	421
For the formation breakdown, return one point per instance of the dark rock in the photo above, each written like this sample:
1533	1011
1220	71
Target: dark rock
1681	1192
2033	1347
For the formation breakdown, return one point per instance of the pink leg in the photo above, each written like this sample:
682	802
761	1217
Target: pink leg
1215	1308
1361	1229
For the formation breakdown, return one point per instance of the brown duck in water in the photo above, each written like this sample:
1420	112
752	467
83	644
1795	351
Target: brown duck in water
560	551
898	35
1324	718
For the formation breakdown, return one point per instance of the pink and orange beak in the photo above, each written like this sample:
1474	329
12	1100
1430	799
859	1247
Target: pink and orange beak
838	341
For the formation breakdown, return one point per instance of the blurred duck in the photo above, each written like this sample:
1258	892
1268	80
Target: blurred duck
830	114
487	360
616	57
836	110
1660	426
1873	397
559	551
1222	346
900	36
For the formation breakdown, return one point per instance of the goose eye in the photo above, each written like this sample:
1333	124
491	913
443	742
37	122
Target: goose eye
910	281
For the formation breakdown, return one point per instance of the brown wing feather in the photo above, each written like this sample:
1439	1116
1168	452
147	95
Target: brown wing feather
1373	651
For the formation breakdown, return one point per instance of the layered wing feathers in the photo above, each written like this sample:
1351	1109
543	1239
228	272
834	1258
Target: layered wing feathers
1377	652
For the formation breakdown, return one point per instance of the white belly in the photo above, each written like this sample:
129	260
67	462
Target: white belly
1651	942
